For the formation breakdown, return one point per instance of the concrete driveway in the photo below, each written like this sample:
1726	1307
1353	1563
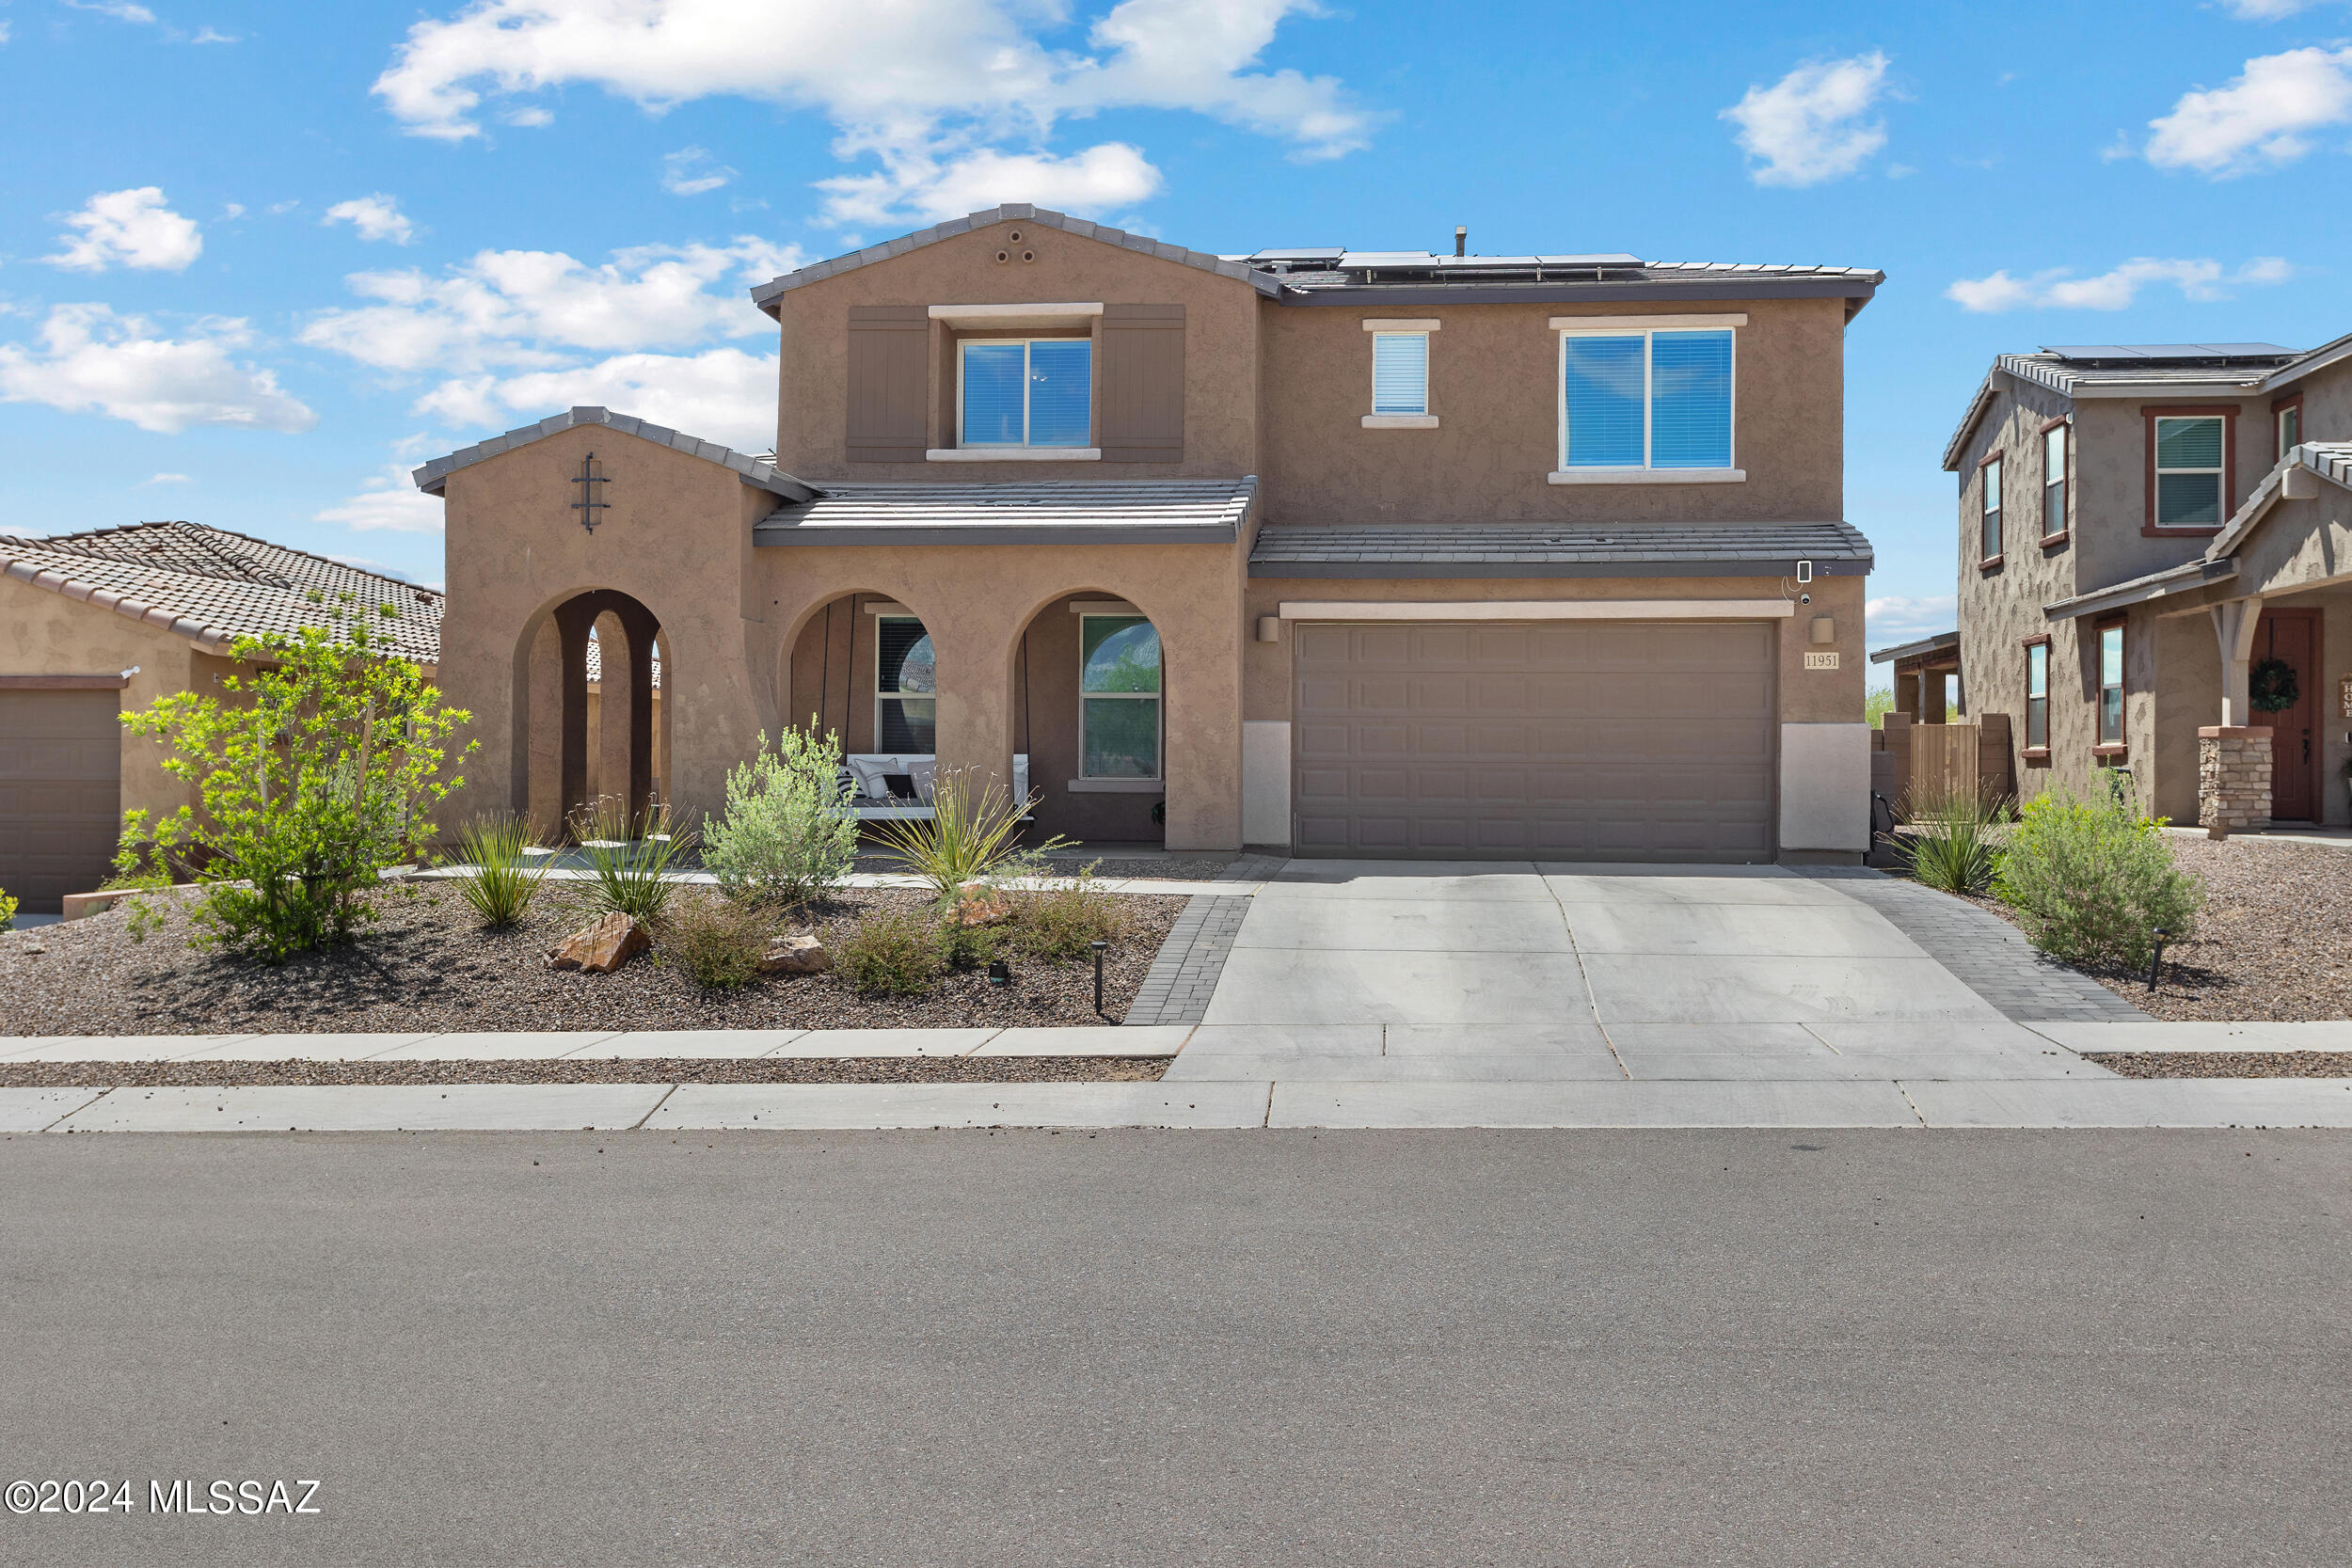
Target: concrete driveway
1420	971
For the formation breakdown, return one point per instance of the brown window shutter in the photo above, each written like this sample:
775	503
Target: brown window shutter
1139	386
889	382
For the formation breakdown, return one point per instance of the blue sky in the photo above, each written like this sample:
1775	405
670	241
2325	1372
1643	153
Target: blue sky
258	260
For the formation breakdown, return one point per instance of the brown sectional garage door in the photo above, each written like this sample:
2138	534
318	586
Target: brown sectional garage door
60	793
1569	739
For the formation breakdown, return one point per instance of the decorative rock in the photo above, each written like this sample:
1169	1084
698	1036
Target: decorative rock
796	955
978	904
603	947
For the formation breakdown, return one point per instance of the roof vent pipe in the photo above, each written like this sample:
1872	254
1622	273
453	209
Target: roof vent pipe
1461	238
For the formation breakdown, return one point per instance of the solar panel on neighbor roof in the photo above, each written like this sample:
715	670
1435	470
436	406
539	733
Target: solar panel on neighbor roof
1305	253
2166	351
1375	261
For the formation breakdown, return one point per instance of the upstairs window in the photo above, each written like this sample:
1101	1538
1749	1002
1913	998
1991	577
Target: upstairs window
1400	372
2190	470
2288	424
1033	392
2111	686
2054	481
1989	533
2037	696
1645	400
1118	701
906	687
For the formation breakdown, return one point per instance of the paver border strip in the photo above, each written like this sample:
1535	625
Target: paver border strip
1183	977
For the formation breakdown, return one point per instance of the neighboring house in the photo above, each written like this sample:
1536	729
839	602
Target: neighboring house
1348	553
94	625
2141	529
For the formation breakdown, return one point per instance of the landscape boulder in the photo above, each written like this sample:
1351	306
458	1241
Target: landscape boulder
796	955
603	947
978	904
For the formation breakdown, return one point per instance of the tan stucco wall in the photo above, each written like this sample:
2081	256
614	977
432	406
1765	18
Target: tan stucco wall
1221	328
1494	386
43	633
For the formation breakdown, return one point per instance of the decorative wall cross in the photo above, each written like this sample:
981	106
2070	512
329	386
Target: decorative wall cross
588	506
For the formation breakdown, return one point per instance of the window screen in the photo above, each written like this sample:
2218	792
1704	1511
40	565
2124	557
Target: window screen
1034	393
1690	399
2189	472
1606	387
1400	372
1648	400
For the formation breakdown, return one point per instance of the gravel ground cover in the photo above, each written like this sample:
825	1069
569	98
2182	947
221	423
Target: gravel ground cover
664	1070
2273	944
2225	1064
1185	868
425	966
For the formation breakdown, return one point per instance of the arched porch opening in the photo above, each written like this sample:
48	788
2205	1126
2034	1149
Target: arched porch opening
1089	711
588	715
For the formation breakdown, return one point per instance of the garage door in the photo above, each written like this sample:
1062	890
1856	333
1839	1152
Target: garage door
1569	739
60	793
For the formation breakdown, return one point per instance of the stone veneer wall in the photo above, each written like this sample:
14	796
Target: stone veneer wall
2233	777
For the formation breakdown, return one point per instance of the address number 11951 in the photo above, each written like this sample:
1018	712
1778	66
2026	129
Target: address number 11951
1820	661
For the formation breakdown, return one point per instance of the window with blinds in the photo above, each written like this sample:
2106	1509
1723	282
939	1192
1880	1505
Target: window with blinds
2189	471
906	687
1400	372
1645	400
1035	392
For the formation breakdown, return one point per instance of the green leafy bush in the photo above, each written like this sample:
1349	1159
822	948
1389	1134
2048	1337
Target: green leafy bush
717	942
1955	841
965	947
318	766
1060	923
783	839
2091	881
8	910
629	861
891	953
499	876
973	835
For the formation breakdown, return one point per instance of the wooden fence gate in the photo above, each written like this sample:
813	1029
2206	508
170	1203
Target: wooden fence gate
1921	763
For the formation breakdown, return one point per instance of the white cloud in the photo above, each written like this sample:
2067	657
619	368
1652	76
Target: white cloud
1808	126
722	394
377	217
162	478
1097	180
132	227
121	10
4	32
921	85
2115	289
388	501
524	309
91	360
691	171
2265	118
1897	618
2264	10
213	35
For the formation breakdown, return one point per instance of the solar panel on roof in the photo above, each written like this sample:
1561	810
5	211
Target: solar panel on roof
2167	351
1307	253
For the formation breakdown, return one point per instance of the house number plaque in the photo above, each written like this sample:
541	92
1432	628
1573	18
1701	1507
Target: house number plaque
1829	661
2344	695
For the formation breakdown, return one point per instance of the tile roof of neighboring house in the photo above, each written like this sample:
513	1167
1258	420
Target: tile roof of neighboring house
1557	549
1315	275
212	586
1171	510
753	471
2223	370
2331	460
595	663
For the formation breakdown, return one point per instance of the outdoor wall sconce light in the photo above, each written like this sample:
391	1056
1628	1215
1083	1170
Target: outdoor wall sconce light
1269	629
1824	628
999	972
1100	948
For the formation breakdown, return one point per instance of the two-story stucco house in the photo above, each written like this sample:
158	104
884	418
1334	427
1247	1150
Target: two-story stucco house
1348	553
2155	576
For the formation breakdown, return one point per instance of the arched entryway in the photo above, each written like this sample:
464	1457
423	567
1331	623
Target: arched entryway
588	718
1089	709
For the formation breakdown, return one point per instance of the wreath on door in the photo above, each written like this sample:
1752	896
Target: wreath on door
2270	685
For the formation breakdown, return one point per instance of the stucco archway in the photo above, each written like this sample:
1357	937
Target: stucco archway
559	770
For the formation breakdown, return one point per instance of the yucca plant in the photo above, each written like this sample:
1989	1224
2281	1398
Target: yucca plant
974	835
628	861
500	875
1955	840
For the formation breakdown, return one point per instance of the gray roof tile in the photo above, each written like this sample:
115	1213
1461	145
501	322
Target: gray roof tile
1597	549
1111	511
763	475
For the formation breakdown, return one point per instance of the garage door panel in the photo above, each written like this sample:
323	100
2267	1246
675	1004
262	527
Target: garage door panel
1612	739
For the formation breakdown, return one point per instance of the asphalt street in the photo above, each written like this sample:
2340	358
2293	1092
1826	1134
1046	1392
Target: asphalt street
1145	1348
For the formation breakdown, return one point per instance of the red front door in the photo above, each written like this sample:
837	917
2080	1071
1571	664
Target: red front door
2292	636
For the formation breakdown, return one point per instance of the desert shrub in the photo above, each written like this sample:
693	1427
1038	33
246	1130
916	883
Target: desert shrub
717	942
974	835
629	861
498	874
891	953
965	947
8	910
783	838
1955	840
317	764
2091	881
1059	924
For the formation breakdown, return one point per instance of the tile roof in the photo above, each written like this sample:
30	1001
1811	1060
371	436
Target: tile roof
755	471
212	586
595	663
1035	512
1941	641
1557	549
